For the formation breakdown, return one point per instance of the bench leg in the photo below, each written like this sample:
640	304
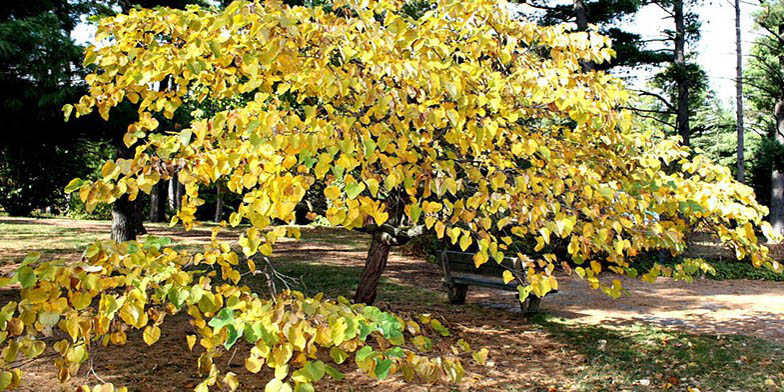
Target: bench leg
533	304
457	293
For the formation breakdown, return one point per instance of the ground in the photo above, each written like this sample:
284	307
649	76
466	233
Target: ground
710	335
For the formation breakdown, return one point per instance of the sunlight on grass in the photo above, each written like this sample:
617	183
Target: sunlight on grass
648	358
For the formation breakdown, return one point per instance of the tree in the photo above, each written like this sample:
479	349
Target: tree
740	174
764	80
608	16
463	122
40	68
682	79
127	216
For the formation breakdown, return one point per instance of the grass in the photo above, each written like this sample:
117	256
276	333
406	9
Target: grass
18	238
625	357
649	358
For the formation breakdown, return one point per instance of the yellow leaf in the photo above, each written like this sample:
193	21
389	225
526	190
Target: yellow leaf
151	335
508	276
465	241
480	356
253	364
332	192
191	341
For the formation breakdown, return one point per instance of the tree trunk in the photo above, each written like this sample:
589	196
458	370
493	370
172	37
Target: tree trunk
581	16
173	193
180	192
374	266
138	216
682	78
158	202
740	175
154	196
218	204
777	178
123	220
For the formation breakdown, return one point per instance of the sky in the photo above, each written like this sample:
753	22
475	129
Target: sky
716	48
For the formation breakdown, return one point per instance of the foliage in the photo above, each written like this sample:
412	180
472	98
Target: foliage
721	269
119	286
463	122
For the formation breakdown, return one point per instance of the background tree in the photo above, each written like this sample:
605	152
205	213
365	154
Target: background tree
609	16
763	80
740	173
40	70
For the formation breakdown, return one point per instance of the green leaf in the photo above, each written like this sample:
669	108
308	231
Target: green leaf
75	184
354	189
334	373
395	352
314	370
304	387
364	353
232	337
338	355
223	318
382	368
26	277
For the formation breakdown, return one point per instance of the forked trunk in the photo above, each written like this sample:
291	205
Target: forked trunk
374	266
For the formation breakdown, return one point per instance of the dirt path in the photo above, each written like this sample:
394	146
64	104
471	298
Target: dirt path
754	308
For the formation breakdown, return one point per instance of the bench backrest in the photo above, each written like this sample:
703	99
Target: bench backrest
464	263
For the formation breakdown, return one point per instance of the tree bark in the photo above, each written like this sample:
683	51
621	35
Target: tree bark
218	204
173	193
777	178
138	214
740	174
581	16
682	78
374	266
180	192
123	220
158	202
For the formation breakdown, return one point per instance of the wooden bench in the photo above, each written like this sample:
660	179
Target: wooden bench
460	272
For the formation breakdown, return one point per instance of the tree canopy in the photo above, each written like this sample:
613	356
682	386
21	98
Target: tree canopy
464	122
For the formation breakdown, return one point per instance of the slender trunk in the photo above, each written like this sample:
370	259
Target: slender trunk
374	266
173	193
581	16
154	196
740	175
158	202
777	178
180	193
682	78
162	201
123	220
218	204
